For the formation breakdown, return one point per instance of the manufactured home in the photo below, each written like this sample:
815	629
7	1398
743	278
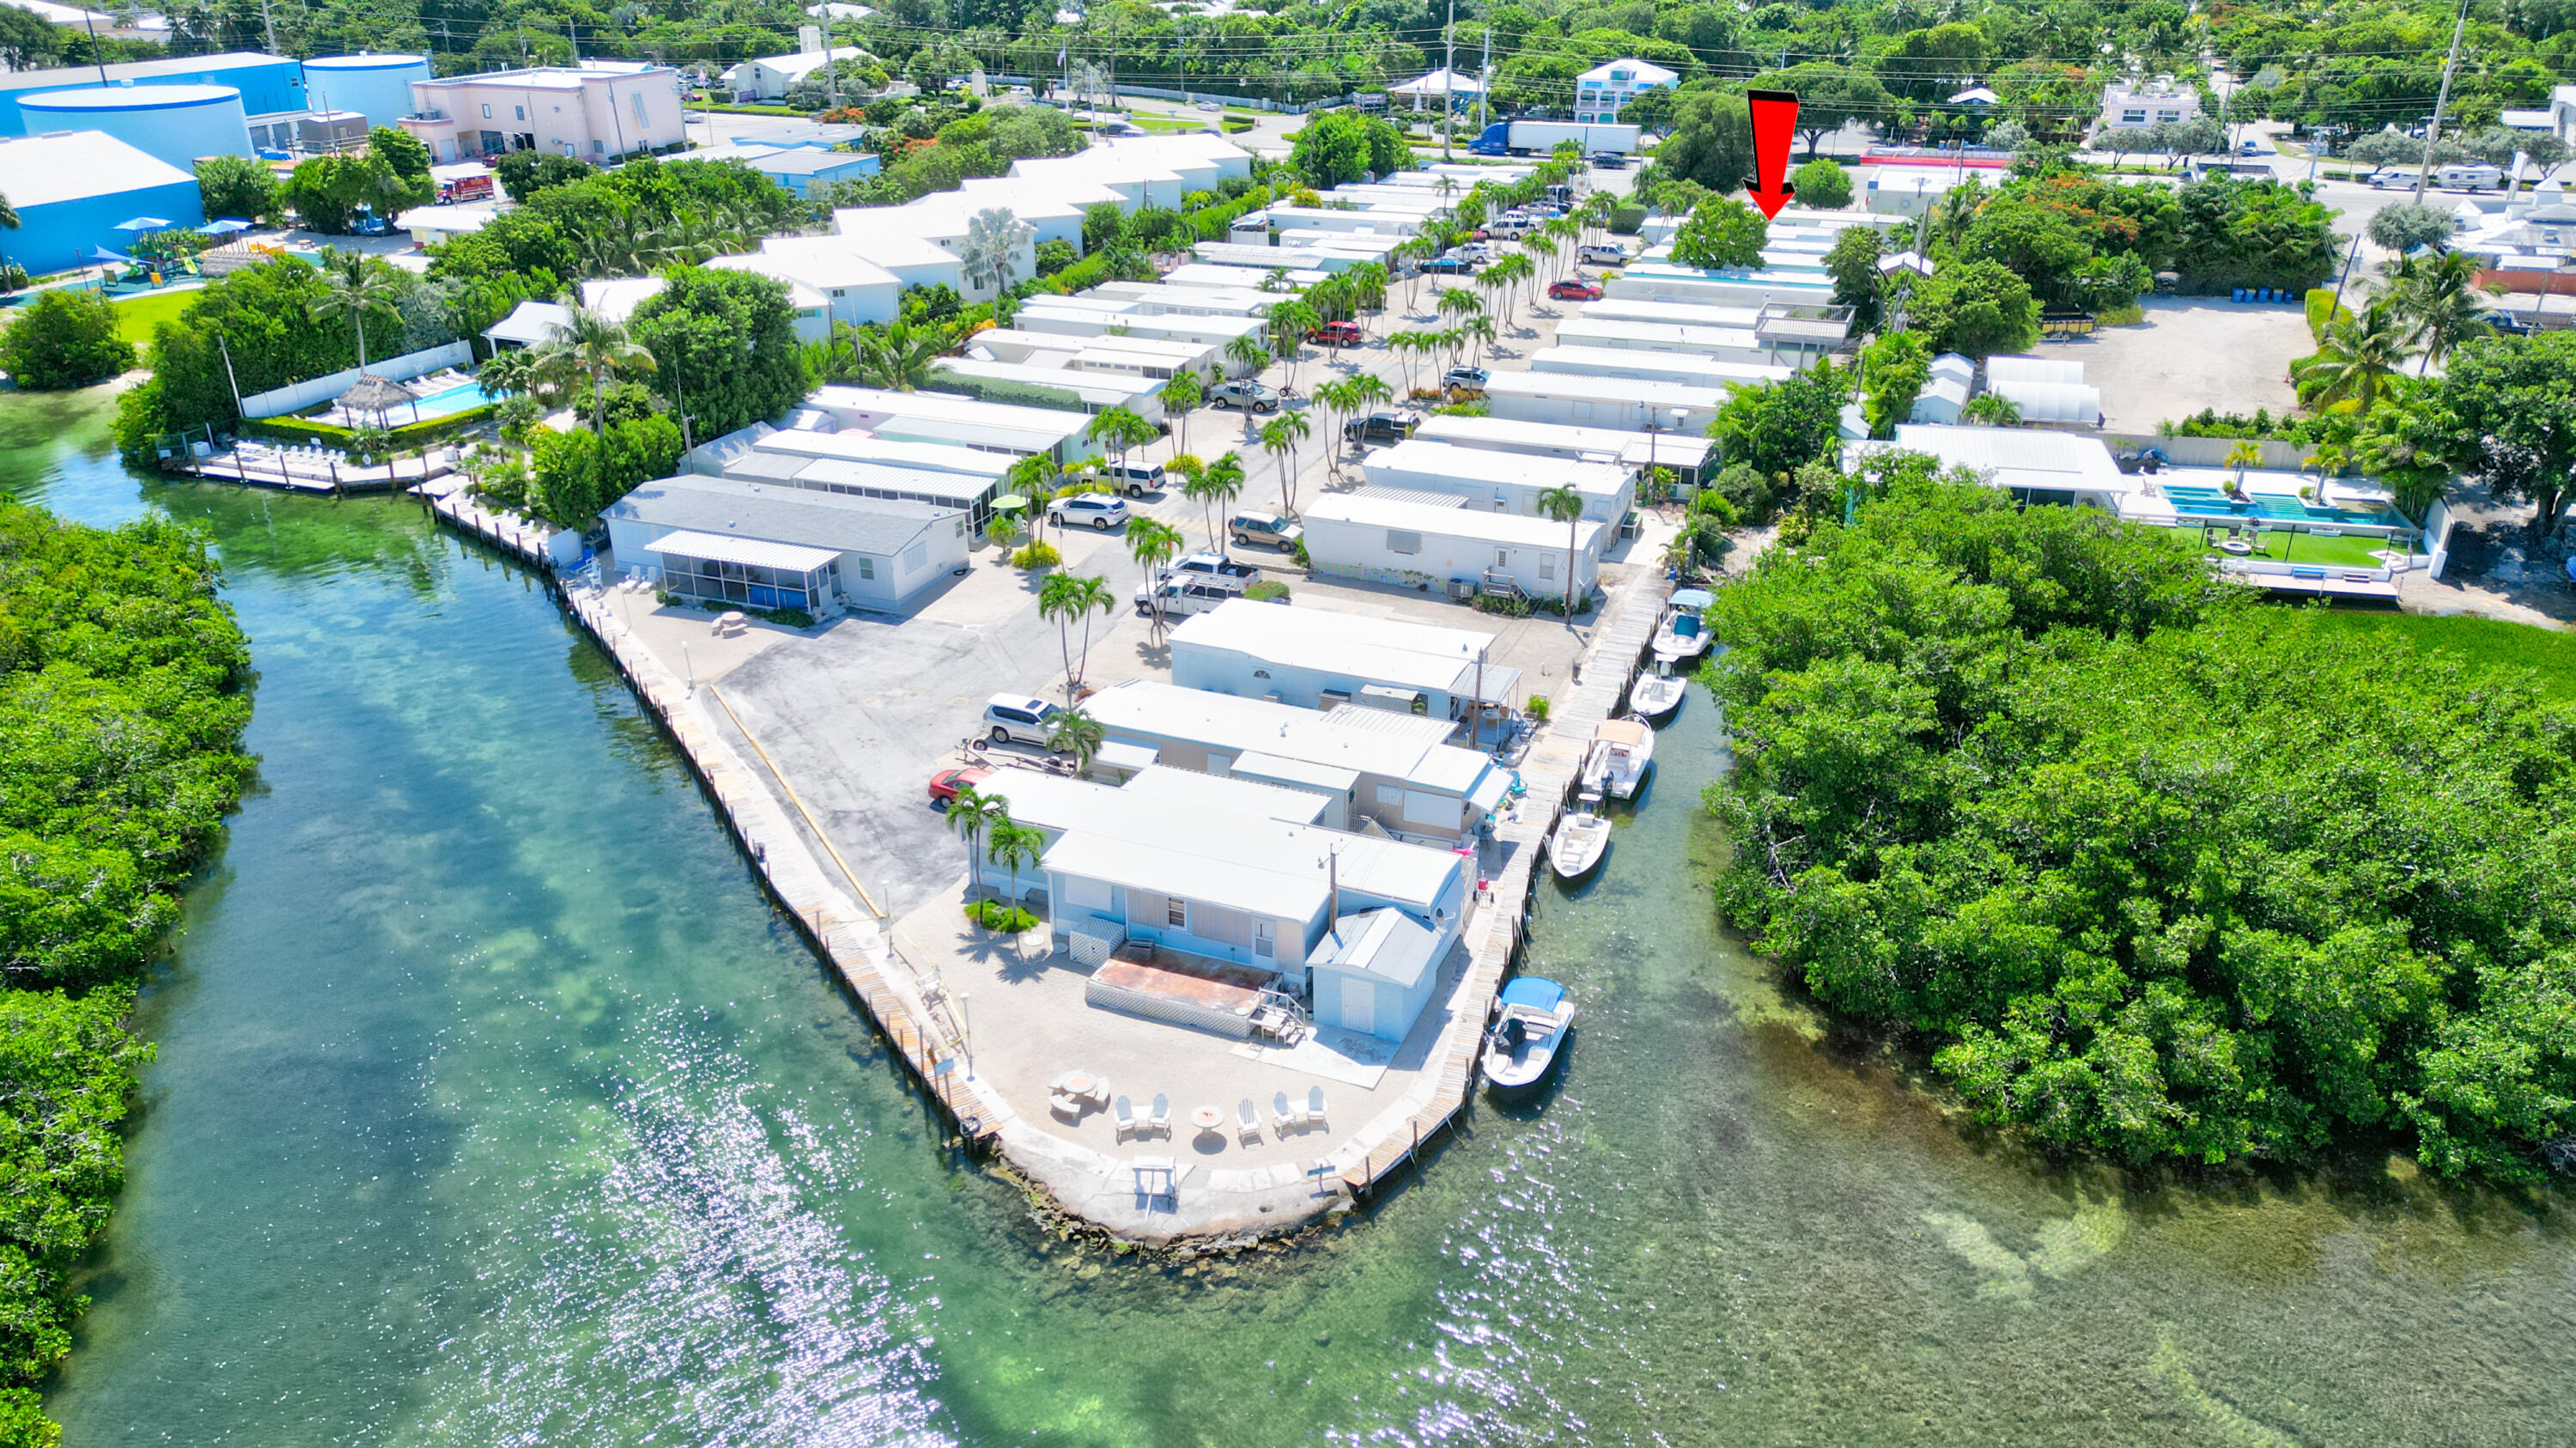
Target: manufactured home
1322	658
1387	540
1503	482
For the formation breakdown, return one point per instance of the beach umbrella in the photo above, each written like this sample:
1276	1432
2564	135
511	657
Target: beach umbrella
144	223
1009	503
225	227
101	253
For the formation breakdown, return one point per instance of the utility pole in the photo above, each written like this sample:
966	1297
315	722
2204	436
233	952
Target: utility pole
1485	81
831	78
268	27
1448	76
2441	102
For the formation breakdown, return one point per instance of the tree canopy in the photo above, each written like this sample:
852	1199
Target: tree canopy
2152	871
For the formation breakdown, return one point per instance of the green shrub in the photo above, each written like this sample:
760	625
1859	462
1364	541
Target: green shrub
1627	220
65	338
1036	556
1268	590
302	430
1235	125
1001	919
1537	707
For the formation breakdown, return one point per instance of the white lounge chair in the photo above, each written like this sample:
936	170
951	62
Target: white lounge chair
1161	1121
1247	1123
1315	1104
1124	1112
1279	1115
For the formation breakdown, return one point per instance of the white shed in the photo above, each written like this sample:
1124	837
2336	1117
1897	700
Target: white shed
1375	973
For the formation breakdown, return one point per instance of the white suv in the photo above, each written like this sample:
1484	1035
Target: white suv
1013	717
1603	253
1103	511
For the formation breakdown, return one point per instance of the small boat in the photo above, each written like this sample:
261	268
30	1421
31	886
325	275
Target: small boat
1655	695
1622	751
1683	633
1578	843
1522	1049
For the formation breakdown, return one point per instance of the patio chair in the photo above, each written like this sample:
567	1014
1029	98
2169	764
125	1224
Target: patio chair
1161	1120
1279	1117
1247	1123
1124	1112
1315	1104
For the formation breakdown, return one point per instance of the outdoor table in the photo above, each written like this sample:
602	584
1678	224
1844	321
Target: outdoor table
1207	1118
1077	1084
729	622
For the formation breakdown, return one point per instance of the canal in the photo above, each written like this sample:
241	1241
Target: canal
493	1108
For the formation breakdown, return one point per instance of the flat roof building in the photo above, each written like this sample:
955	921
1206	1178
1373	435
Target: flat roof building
72	190
945	417
2034	466
598	111
759	546
1682	452
1688	369
1321	658
268	83
1501	481
1072	389
1582	400
1388	540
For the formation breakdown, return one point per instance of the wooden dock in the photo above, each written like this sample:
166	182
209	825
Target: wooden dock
1550	769
297	473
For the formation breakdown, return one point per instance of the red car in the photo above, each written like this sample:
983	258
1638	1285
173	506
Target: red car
1575	289
944	784
1337	334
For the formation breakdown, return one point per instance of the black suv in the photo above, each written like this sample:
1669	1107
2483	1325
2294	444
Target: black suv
1381	427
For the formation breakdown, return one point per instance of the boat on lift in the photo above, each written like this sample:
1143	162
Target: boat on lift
1528	1038
1683	632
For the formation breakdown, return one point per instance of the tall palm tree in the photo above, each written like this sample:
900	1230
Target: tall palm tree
1279	438
973	813
8	215
1248	352
1480	330
586	344
1367	390
1216	489
1289	324
1059	603
357	292
898	355
1015	847
2359	360
1119	429
1153	543
1079	735
2244	455
1338	401
1179	396
1088	596
994	237
1459	302
1565	505
2440	298
1033	477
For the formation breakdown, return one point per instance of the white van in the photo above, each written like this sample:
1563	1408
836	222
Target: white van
2469	178
2390	178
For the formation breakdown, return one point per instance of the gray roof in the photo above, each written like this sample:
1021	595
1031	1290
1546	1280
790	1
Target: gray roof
729	507
1383	943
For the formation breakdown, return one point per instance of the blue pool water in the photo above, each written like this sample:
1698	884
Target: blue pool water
463	397
2211	503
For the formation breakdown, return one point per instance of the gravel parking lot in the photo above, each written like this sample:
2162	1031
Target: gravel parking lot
2191	353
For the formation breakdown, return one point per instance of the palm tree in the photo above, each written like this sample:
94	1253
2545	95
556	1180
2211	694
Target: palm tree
1248	352
1404	345
1153	543
8	215
973	813
1367	283
1338	401
1481	330
2441	298
898	355
1289	324
1119	429
1459	302
2358	361
1504	276
2244	455
1367	390
1060	601
1089	596
993	240
1033	477
356	292
1178	397
1565	505
1015	845
1279	438
1079	735
1216	490
587	344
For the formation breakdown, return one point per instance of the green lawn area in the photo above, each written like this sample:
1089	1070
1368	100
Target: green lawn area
137	316
2485	642
2337	552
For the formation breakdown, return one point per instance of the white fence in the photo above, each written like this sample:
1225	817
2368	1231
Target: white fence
315	391
2213	452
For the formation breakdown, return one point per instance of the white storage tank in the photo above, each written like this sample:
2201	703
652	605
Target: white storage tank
177	123
376	86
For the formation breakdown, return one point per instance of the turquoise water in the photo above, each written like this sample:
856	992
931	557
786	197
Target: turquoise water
492	1109
2211	502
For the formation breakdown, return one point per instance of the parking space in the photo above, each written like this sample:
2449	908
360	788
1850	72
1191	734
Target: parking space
2192	353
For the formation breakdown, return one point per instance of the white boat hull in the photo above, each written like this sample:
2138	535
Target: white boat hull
1657	695
1576	845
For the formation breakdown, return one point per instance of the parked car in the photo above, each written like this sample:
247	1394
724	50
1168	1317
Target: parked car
2389	178
1181	597
1133	479
1463	379
1214	570
1216	565
1244	393
1103	511
2512	324
1603	253
1576	289
945	784
2249	148
1474	251
1010	718
1344	333
1449	266
1210	106
1381	427
1266	528
1609	161
1509	228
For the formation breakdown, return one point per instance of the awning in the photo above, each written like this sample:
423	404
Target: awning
1127	756
1489	791
749	552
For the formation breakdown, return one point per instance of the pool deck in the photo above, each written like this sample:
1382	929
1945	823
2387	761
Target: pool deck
994	1080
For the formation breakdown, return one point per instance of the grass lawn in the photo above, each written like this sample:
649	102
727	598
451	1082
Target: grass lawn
2339	552
137	316
2485	642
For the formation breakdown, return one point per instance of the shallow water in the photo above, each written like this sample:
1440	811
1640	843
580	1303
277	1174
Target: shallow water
493	1108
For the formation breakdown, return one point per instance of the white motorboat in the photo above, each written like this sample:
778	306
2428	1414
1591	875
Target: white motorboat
1528	1038
1655	695
1577	844
1683	633
1622	751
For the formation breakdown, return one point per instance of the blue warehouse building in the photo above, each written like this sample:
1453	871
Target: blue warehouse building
72	190
267	83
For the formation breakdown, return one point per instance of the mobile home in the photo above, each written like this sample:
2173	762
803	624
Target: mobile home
1383	540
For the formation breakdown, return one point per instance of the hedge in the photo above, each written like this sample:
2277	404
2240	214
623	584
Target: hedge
1024	394
406	437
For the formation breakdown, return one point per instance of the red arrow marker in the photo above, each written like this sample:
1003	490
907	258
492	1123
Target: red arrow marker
1775	120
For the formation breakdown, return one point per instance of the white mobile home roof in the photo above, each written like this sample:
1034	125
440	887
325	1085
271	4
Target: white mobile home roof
1510	529
2018	457
1157	811
1095	389
1153	298
1681	367
1672	449
865	447
1267	866
1371	741
945	416
2033	369
1688	314
1504	389
1624	334
1482	467
1394	651
1217	277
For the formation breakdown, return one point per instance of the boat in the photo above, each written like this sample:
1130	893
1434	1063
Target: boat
1655	695
1577	843
1683	633
1623	749
1528	1037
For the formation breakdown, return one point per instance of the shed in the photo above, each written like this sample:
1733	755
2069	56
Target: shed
1375	973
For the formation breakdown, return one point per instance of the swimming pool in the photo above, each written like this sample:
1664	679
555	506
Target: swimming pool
463	397
2212	503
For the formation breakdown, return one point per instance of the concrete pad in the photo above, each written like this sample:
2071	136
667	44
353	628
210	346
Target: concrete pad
2191	353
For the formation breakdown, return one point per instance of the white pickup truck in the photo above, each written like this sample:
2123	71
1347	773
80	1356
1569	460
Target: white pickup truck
1196	584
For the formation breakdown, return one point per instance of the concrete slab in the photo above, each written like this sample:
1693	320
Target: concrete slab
2191	354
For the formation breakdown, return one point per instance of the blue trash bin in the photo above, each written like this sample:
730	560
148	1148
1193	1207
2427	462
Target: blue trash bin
2237	296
